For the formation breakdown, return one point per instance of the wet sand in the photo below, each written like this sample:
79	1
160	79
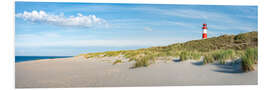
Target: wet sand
79	72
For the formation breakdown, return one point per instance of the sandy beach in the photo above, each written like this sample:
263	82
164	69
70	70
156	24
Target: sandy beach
80	72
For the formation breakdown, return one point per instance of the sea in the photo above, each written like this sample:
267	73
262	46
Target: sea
31	58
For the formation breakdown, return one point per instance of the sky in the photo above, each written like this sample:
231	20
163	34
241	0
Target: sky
69	29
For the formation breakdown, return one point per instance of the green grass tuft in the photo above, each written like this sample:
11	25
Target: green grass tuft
144	61
208	59
249	59
194	55
184	56
117	61
224	55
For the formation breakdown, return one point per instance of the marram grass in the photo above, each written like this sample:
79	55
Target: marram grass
215	49
208	59
117	61
249	59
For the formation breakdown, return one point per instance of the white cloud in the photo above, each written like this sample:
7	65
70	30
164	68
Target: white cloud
60	20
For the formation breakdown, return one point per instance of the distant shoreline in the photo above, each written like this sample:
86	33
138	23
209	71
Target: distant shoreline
19	59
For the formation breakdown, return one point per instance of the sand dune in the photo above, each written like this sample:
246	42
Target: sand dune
79	72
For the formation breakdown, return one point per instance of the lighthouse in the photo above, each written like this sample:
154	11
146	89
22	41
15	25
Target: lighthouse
204	28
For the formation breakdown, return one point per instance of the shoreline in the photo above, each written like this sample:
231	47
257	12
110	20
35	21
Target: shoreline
53	58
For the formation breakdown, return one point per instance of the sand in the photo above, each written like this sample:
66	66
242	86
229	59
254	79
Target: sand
79	72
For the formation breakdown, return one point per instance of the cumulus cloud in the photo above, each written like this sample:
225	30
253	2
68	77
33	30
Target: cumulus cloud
60	20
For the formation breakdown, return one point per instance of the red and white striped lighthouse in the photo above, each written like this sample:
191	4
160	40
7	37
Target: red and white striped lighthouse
204	28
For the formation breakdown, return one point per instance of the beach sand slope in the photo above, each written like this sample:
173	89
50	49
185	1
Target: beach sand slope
79	72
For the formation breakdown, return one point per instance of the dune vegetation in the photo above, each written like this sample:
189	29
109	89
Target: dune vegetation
117	61
216	49
249	59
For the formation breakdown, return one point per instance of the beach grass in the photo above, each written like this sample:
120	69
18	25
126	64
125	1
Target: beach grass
208	59
117	61
187	55
223	55
184	56
143	62
215	49
249	59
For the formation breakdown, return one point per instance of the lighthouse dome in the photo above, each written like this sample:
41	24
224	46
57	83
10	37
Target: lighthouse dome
204	24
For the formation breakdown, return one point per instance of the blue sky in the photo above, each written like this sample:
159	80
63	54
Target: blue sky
67	29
